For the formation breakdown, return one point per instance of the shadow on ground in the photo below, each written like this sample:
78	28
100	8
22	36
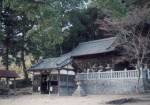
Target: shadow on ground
126	100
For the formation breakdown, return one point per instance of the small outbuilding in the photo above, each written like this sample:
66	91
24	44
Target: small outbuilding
54	76
8	74
5	77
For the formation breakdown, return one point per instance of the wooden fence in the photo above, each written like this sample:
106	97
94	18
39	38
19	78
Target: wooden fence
126	74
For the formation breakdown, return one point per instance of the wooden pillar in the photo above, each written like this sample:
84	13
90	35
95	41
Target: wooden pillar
49	79
40	82
67	83
15	86
58	82
8	87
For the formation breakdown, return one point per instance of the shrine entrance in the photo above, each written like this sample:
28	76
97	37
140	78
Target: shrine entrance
49	84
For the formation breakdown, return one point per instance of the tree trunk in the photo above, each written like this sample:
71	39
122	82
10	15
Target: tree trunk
139	76
7	59
24	65
7	63
23	59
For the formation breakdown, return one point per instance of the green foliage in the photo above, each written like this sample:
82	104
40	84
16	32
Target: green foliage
59	25
50	17
83	27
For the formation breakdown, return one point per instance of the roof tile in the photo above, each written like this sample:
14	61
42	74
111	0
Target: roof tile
94	47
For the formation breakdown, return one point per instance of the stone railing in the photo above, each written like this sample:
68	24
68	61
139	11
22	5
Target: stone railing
126	74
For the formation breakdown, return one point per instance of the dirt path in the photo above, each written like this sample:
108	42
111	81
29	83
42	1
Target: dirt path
70	100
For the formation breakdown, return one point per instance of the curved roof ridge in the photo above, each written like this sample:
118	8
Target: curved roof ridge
98	40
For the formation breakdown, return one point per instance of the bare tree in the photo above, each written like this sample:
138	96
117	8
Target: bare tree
135	33
137	48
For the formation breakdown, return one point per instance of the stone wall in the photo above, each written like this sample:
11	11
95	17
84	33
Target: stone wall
112	86
65	91
67	88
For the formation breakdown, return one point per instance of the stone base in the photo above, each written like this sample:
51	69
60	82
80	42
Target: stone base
112	86
79	91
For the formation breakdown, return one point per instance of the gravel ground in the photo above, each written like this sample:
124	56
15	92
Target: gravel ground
37	99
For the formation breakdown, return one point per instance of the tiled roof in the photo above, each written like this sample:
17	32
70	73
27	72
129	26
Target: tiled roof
85	48
8	74
94	47
52	63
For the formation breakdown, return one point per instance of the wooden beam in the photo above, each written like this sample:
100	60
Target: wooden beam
68	69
